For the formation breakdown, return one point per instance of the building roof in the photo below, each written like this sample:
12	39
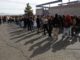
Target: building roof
49	3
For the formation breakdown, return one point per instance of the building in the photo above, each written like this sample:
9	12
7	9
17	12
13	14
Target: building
71	8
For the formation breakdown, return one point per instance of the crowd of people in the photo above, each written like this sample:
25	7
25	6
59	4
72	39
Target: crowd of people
68	25
2	19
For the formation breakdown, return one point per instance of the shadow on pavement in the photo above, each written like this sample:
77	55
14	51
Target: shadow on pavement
17	32
56	46
33	40
62	44
28	36
22	35
41	49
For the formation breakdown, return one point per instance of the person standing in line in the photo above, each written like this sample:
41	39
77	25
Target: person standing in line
20	22
34	23
17	20
0	20
45	25
12	19
67	26
28	23
38	21
50	26
56	26
61	18
9	20
4	19
31	23
78	24
25	22
74	26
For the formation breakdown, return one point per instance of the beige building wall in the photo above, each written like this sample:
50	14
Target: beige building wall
39	12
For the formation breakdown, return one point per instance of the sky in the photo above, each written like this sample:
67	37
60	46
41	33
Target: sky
16	7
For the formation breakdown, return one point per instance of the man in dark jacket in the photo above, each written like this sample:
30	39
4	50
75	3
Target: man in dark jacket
25	22
38	21
56	26
50	26
4	19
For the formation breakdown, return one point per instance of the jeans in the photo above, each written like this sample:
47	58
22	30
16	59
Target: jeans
67	31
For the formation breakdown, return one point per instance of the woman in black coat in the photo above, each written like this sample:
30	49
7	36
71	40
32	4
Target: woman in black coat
38	21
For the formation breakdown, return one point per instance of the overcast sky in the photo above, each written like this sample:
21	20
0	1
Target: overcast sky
18	6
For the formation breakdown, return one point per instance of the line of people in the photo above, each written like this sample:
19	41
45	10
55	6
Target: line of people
2	19
53	25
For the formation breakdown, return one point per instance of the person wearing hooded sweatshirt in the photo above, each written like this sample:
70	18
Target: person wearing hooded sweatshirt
56	26
67	26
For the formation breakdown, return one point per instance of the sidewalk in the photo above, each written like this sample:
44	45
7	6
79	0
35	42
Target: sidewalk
7	50
17	44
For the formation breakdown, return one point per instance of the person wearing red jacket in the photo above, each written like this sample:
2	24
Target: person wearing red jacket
67	26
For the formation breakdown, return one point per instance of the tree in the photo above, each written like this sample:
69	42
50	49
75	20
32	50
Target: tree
28	10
